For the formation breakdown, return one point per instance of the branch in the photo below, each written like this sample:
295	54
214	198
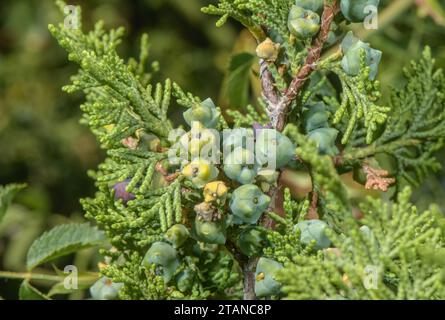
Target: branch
278	112
249	279
314	54
89	276
267	82
167	177
313	211
363	153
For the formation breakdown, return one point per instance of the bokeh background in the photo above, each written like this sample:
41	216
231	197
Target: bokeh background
42	142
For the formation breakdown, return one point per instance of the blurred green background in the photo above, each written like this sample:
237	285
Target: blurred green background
41	141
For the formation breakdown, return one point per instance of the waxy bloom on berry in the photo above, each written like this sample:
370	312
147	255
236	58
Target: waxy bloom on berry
265	283
248	203
177	235
164	256
204	112
105	289
303	23
357	10
313	230
273	149
353	49
240	166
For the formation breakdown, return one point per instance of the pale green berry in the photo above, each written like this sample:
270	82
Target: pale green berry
240	166
164	256
356	10
313	230
105	289
315	116
353	49
325	140
238	138
248	203
177	235
273	149
200	141
209	231
303	23
313	5
265	282
204	112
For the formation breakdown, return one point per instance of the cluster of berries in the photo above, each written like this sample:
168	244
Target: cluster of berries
248	172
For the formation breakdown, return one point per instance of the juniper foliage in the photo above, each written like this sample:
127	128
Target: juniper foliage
185	230
415	128
121	103
379	257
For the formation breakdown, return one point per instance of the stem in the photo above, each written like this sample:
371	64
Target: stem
30	276
356	154
313	211
267	83
249	279
40	276
314	54
278	108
